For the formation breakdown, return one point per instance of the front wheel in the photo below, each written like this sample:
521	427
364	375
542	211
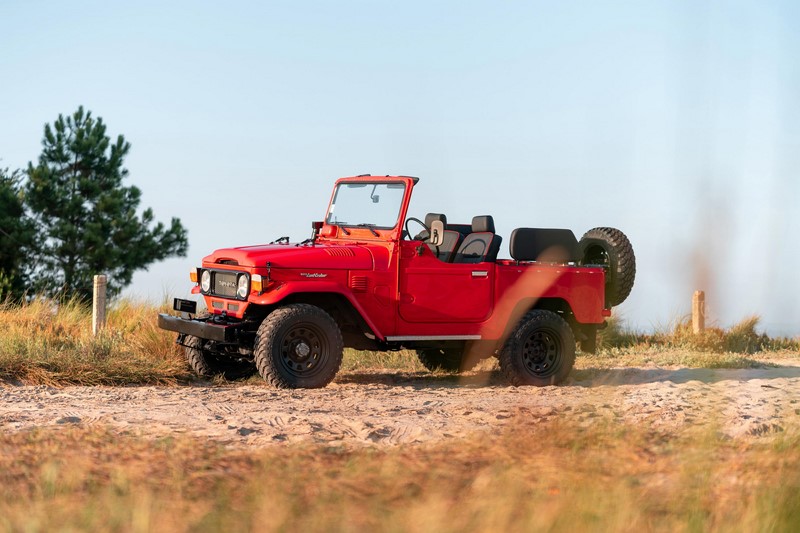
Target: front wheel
540	351
298	346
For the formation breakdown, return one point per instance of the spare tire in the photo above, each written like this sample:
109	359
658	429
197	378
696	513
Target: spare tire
610	248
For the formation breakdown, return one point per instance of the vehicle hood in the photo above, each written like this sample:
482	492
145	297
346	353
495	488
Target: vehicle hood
319	256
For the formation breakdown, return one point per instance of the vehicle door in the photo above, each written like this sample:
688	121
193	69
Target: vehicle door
432	290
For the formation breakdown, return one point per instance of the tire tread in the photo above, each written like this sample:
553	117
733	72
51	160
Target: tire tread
266	333
625	271
509	354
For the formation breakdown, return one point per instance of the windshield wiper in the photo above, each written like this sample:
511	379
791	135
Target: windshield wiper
369	227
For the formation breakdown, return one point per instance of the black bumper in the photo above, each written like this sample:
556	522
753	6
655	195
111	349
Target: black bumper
198	328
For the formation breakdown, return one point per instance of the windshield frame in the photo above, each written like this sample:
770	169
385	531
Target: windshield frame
343	185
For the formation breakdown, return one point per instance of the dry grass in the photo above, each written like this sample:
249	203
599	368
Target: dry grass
740	346
47	343
741	338
405	360
551	476
534	476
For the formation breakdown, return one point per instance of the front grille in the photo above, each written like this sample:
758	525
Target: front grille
223	284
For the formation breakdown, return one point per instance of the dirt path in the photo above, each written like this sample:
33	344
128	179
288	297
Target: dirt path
395	408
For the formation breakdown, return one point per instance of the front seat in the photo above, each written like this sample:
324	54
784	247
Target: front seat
451	239
482	244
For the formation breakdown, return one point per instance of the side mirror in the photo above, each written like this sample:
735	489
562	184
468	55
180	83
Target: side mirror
437	233
315	227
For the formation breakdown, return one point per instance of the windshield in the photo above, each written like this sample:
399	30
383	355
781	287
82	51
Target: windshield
366	204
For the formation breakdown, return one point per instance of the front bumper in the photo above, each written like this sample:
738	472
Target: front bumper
199	328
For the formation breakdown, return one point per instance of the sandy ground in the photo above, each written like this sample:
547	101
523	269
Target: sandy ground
396	408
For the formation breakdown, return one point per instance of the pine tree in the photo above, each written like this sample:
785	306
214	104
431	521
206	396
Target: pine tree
16	237
86	217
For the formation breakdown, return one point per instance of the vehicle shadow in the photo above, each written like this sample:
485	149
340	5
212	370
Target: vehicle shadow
595	377
423	380
588	377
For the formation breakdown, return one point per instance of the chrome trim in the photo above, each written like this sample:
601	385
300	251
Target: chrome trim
434	338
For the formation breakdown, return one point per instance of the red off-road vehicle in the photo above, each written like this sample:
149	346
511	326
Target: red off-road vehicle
369	280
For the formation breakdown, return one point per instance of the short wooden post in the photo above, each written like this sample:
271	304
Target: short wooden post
99	303
698	312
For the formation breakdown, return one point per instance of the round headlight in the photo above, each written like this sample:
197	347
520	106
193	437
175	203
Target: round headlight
242	286
205	281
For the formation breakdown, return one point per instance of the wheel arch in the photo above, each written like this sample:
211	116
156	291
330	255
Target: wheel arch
559	306
343	310
584	333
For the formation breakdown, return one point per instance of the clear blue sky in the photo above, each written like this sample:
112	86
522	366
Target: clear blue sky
677	122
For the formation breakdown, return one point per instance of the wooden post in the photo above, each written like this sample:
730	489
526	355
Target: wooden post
698	312
99	304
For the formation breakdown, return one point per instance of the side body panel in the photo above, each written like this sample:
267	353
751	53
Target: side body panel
401	289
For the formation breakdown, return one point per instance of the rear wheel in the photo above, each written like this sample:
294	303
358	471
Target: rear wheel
540	351
298	346
207	362
610	248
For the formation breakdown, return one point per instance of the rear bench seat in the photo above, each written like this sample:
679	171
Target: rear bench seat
546	245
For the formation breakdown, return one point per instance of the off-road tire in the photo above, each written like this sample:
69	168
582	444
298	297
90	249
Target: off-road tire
540	350
207	364
612	249
298	346
440	359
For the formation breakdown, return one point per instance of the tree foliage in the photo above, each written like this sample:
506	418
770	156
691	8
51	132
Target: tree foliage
86	217
16	237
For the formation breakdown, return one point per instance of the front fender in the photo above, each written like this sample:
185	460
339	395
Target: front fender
282	290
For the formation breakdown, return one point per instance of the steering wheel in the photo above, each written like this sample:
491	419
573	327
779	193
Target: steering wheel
418	221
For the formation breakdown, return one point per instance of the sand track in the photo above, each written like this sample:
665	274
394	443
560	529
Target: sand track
387	408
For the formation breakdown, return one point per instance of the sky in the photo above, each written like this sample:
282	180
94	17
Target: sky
676	122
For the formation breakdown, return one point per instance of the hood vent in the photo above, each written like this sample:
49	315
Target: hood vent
340	251
227	262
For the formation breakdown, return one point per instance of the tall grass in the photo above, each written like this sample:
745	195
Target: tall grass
48	342
45	342
551	476
742	338
405	360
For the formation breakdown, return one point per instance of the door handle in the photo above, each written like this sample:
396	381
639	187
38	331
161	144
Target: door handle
480	274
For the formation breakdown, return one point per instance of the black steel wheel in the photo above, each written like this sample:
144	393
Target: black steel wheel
540	351
298	346
207	362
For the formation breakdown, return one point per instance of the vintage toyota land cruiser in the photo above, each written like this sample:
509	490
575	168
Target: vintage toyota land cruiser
370	278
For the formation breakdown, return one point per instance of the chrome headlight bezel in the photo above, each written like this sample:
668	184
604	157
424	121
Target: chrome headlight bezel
242	286
205	281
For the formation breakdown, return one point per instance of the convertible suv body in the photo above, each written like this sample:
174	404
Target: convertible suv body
364	281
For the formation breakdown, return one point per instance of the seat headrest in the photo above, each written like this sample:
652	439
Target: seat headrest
483	223
430	217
